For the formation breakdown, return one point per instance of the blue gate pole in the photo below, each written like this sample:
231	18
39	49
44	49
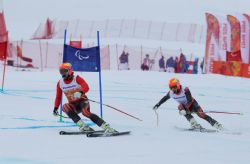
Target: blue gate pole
100	75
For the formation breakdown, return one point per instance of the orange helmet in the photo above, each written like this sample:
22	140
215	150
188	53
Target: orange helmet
174	84
65	69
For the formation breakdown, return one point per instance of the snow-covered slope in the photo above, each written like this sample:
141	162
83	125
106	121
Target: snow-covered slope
29	131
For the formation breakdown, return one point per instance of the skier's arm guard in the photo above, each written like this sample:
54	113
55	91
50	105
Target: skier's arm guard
189	97
164	99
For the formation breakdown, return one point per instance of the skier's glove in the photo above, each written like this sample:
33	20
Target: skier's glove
55	111
182	112
156	106
180	107
77	95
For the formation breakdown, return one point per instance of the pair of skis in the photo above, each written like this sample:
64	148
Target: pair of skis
98	133
205	130
202	130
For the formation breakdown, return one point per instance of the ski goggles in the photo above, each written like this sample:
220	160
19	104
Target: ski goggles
64	72
173	87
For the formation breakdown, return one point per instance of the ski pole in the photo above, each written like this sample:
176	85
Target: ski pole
238	113
157	118
117	110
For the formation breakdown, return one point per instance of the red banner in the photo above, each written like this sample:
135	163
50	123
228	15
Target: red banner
3	50
232	68
235	33
212	41
3	29
49	29
76	44
234	56
248	18
246	70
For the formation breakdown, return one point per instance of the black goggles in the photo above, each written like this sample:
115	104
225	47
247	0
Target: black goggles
64	71
173	87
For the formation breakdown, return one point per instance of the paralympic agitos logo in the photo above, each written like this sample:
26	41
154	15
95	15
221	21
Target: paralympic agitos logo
79	56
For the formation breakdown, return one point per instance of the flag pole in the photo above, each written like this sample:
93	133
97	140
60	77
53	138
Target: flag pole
60	116
4	67
3	73
100	76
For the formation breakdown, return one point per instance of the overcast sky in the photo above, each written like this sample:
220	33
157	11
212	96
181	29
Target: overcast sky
24	16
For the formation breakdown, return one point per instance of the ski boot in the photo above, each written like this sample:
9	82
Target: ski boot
83	127
107	129
194	124
218	126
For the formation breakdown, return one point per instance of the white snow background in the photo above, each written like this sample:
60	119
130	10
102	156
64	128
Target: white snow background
29	131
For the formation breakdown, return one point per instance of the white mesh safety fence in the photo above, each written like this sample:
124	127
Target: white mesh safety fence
49	55
124	28
42	54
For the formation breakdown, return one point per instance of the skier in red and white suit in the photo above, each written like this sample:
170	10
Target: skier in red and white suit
187	104
75	89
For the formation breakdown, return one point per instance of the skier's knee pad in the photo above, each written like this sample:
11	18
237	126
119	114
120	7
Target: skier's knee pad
86	111
201	114
67	107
